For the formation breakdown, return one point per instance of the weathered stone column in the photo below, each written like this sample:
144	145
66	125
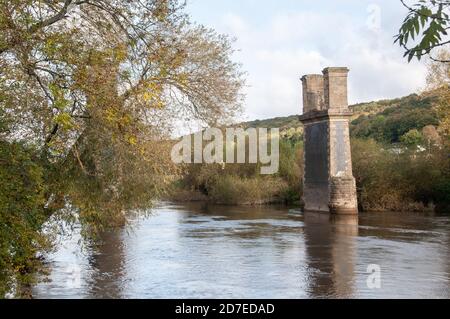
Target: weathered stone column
315	179
328	182
312	92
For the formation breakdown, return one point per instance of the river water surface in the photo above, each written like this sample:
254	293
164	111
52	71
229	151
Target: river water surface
205	251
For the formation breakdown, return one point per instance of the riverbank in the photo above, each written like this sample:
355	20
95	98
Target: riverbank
183	196
387	179
195	196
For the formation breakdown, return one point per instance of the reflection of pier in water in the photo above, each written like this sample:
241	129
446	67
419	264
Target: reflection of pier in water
330	249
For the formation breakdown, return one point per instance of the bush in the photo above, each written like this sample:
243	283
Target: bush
21	215
243	184
412	138
248	191
400	179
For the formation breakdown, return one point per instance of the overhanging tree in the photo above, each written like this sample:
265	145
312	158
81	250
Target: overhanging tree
98	83
94	87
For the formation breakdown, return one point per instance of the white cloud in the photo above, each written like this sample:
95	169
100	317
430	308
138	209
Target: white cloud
279	51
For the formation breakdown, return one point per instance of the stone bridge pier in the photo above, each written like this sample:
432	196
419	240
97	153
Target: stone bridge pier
328	182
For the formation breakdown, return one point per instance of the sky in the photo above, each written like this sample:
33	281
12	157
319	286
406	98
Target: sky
278	41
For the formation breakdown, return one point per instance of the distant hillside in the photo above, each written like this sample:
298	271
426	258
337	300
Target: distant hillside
283	123
384	120
290	127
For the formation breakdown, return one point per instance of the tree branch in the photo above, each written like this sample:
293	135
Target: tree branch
57	17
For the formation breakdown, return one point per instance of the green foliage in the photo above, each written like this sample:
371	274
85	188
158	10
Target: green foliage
428	20
412	138
388	125
21	215
400	180
4	122
291	168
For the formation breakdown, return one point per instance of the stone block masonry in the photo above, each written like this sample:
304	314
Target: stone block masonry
329	185
312	92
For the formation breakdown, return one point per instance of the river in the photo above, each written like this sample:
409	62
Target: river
207	251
